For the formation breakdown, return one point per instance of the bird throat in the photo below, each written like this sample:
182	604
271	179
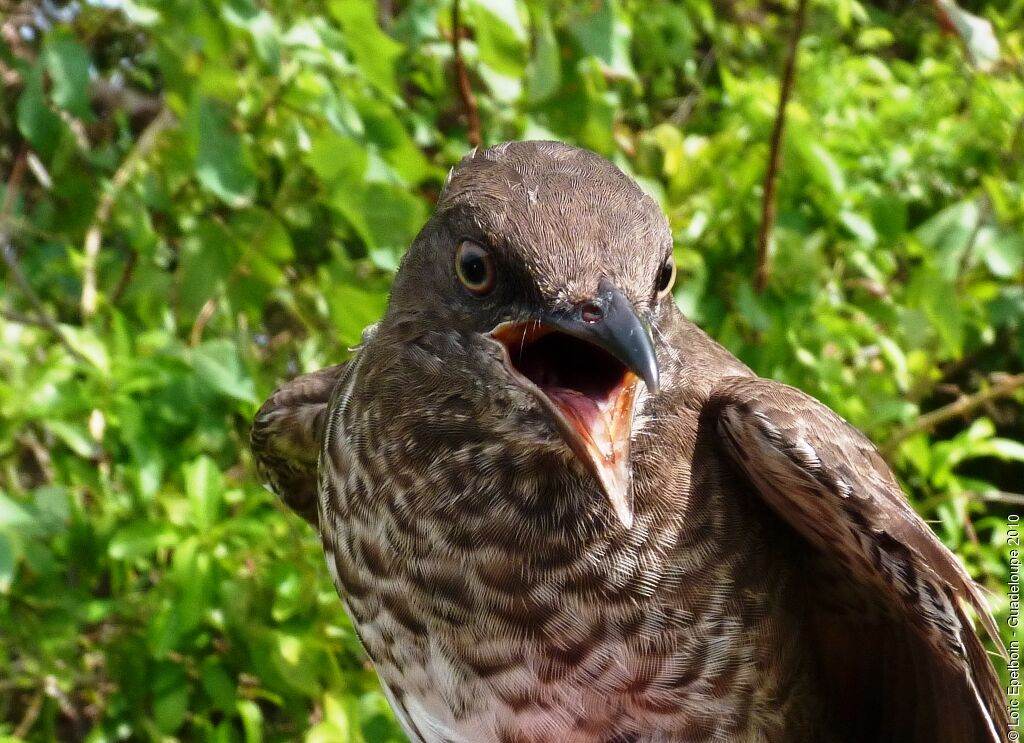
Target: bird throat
588	393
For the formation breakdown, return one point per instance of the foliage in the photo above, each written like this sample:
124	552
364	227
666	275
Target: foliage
237	181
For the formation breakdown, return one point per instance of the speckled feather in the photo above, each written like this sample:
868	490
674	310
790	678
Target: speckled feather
775	585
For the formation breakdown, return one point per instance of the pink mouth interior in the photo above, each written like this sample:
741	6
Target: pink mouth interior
584	381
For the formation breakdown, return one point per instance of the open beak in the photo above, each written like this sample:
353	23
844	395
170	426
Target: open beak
584	366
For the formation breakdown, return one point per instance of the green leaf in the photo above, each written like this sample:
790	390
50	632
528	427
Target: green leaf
263	27
500	36
859	227
823	169
544	74
207	257
289	596
218	366
252	720
223	163
752	308
89	345
354	306
68	64
36	122
170	697
137	540
263	234
374	51
1006	449
385	217
603	34
74	436
217	683
204	486
14	516
335	727
948	234
8	563
337	159
1004	254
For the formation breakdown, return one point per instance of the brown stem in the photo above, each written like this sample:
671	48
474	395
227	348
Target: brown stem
469	104
999	496
126	277
202	319
94	234
972	240
31	715
11	260
1005	387
768	206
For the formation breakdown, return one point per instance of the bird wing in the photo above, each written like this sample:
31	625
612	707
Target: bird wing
886	604
286	436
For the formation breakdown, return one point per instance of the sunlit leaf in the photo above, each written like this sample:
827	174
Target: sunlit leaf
67	62
223	162
602	33
218	365
374	50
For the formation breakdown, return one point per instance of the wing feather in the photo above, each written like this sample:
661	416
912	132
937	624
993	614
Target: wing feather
828	482
286	436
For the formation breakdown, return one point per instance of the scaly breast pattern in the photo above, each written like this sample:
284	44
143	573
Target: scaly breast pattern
490	623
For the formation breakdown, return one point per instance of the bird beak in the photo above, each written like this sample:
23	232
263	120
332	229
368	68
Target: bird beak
584	365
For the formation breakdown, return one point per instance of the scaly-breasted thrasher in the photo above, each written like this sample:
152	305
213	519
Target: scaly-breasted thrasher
556	510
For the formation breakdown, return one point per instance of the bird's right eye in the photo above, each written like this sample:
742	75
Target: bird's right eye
474	267
666	277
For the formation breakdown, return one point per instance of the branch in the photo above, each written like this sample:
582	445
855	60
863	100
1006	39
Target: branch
768	206
202	319
9	258
965	258
469	104
94	235
1005	387
31	715
686	107
999	496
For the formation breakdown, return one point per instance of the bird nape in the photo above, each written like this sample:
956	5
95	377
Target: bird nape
555	509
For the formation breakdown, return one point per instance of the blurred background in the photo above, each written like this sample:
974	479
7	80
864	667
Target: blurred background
201	199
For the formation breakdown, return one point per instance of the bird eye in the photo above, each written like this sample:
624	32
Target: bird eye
474	267
666	277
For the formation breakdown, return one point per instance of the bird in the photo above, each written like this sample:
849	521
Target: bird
557	510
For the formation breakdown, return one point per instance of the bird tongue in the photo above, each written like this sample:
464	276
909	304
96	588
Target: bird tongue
590	395
602	430
595	424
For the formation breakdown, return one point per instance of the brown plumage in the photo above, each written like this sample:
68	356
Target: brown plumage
557	511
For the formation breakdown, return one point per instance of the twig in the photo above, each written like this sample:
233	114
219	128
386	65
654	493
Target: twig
30	716
972	533
1005	387
94	234
1012	499
43	319
11	260
768	206
972	239
22	319
126	277
385	13
469	103
14	182
688	105
202	319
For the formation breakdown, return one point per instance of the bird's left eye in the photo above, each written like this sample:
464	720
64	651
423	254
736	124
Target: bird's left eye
666	277
474	267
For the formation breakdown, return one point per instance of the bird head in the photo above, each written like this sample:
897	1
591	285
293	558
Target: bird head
554	268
